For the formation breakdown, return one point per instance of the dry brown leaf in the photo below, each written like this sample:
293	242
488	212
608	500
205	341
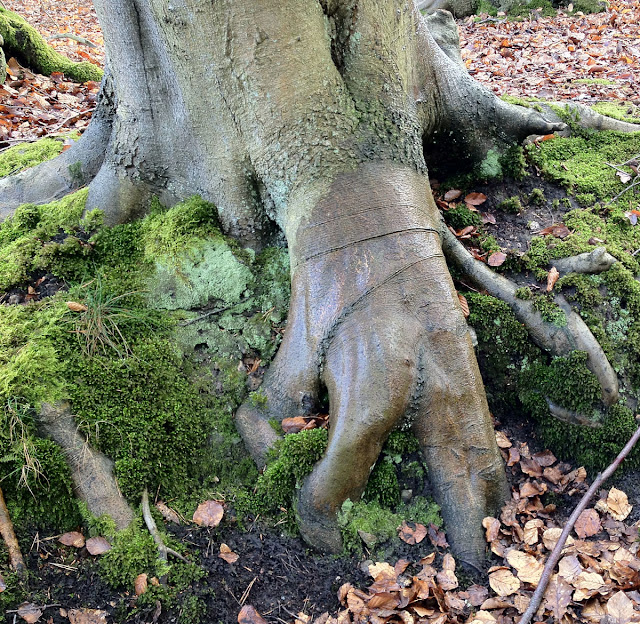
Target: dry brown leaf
551	536
483	617
73	538
381	567
475	199
593	611
437	537
552	278
545	458
588	523
464	305
503	582
618	504
97	545
477	594
208	514
496	259
590	581
452	194
294	424
531	531
514	456
492	526
401	566
529	569
620	609
569	568
502	440
74	306
227	554
87	616
248	615
140	585
412	535
167	513
557	596
447	580
29	612
384	600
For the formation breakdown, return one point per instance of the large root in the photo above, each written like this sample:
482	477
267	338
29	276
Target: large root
91	471
375	319
556	340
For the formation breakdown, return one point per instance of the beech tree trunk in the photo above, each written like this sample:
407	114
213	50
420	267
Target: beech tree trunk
317	118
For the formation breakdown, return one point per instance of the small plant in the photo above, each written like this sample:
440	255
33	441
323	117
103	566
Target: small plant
99	318
512	204
536	197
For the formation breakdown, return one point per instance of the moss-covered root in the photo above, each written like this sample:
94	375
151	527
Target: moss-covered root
25	43
581	116
557	338
596	261
91	471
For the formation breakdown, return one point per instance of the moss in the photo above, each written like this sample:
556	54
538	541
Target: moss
512	204
25	43
586	199
524	293
373	519
579	162
522	9
594	81
589	6
550	311
536	197
382	486
133	552
583	289
27	155
512	161
624	111
485	6
461	217
489	243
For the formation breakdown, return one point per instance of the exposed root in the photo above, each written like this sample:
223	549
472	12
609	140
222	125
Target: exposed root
163	549
557	340
91	471
585	117
596	261
8	535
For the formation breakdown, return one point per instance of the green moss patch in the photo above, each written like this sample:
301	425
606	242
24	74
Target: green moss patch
27	155
624	111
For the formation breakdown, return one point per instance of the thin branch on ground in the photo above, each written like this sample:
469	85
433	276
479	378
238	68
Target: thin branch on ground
163	549
635	182
555	555
77	38
9	536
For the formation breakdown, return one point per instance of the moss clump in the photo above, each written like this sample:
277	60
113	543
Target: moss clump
292	460
512	160
524	293
512	204
382	486
25	43
461	217
550	311
536	197
578	162
589	6
522	9
373	519
27	155
581	288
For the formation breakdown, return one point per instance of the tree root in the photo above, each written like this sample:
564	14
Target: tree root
91	471
584	117
555	555
8	535
596	261
163	549
557	340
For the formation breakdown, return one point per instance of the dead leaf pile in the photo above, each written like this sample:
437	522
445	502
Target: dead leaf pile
544	57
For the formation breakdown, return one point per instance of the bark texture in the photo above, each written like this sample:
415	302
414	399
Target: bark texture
318	118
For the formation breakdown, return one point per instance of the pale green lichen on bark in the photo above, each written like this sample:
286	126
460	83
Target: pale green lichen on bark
25	43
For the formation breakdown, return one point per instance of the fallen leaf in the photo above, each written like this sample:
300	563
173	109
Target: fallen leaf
483	617
74	306
531	531
208	514
477	594
618	504
529	569
475	199
73	538
492	526
412	535
87	616
558	596
29	612
464	305
437	537
552	278
167	513
384	600
452	194
248	615
140	585
624	177
588	524
551	536
227	554
97	545
569	567
496	259
502	440
294	425
381	567
620	609
503	582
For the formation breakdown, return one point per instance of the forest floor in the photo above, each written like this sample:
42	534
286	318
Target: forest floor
585	58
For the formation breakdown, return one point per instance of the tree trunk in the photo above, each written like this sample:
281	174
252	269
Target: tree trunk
317	118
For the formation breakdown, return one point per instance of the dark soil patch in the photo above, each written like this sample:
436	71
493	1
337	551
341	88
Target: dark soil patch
39	286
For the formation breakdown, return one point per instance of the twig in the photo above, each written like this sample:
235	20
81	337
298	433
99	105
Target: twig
549	567
635	182
77	38
211	313
9	536
163	549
